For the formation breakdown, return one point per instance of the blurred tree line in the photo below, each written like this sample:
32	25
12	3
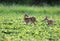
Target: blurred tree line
32	2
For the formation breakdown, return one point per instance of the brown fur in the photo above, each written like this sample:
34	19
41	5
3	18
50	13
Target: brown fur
50	22
29	19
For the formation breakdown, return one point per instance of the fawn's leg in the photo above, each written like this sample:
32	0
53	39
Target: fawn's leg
50	24
34	23
26	23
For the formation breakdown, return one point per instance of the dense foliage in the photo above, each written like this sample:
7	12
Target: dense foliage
13	28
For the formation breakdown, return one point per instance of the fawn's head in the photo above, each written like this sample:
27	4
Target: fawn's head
25	15
46	18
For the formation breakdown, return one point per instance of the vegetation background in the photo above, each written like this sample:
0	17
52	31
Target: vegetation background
31	2
12	25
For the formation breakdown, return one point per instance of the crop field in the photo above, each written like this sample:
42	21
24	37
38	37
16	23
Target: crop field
13	28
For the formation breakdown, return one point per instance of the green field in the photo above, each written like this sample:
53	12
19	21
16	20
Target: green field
12	26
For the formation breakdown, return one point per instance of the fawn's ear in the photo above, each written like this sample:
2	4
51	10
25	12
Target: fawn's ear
46	16
25	13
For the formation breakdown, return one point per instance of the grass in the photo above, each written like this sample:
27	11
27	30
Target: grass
12	26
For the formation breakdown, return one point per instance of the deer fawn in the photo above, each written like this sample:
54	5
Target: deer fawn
50	22
29	19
